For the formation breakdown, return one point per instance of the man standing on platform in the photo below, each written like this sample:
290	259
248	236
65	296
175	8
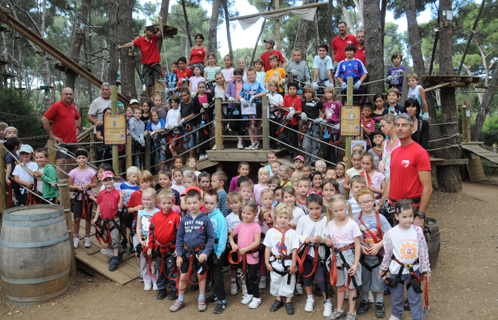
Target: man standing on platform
360	52
96	112
340	42
265	56
151	61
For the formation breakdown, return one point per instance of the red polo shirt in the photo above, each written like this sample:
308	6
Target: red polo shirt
63	121
108	202
360	55
148	48
187	73
135	200
339	45
295	103
265	56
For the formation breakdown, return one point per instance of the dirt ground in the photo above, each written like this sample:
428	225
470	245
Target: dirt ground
463	286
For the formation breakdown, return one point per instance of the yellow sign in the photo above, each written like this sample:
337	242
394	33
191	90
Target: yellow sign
115	129
350	121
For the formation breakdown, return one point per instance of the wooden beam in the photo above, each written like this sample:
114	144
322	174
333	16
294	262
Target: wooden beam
65	202
437	86
311	5
451	162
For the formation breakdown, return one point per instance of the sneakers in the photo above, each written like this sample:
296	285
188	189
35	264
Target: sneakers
407	305
161	294
88	243
177	305
154	287
392	317
299	289
327	308
251	147
76	242
201	305
147	287
352	316
276	305
247	298
290	308
233	288
380	310
338	314
256	145
244	289
310	305
140	279
113	265
173	295
371	297
262	283
214	147
212	299
107	252
240	146
255	303
221	306
363	308
202	157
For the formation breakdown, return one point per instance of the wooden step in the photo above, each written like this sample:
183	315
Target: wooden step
236	155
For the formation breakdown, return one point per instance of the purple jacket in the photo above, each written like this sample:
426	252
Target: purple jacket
232	91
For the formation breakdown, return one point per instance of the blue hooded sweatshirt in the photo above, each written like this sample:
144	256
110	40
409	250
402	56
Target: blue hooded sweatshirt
220	231
194	233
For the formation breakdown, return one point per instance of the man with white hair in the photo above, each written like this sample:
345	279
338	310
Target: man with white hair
96	112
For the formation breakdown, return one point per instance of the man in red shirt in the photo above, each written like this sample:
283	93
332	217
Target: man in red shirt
66	122
151	61
410	171
265	56
341	41
360	52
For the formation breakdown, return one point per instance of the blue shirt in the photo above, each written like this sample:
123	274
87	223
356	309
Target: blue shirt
170	80
353	68
222	202
220	231
128	189
323	65
249	90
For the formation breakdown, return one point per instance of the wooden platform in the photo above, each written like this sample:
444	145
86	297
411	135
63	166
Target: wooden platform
481	152
236	155
437	81
95	263
474	152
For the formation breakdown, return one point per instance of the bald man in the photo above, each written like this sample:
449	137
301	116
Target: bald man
66	122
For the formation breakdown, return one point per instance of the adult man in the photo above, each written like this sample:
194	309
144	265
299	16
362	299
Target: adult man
151	61
265	56
340	42
96	112
360	52
66	122
410	171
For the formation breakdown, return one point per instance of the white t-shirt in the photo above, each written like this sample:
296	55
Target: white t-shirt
298	213
180	189
342	236
414	93
405	248
273	239
351	172
23	175
307	228
232	221
323	65
274	99
172	116
97	108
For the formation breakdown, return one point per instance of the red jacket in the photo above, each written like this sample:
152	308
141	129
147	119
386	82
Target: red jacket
163	228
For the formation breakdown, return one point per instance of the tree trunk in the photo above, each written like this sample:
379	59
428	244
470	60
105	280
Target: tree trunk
373	44
257	40
163	13
485	106
414	37
347	17
227	21
449	179
187	25
79	36
330	29
302	35
112	15
213	28
125	20
383	10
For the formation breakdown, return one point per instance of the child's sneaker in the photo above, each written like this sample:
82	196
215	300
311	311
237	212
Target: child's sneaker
201	305
233	288
221	306
114	264
290	308
154	287
244	289
247	299
310	305
299	289
173	295
352	316
147	287
140	279
380	310
255	303
276	305
392	317
262	283
327	308
76	242
177	305
107	252
363	308
240	146
88	243
338	315
161	294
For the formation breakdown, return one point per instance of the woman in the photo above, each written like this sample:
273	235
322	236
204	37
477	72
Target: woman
198	54
420	129
392	142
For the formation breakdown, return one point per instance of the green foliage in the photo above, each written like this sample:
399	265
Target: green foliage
489	134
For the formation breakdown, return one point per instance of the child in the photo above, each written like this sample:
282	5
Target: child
183	73
355	169
303	189
295	176
249	97
172	120
416	92
164	179
247	191
108	204
81	180
323	66
11	159
284	174
220	90
241	63
311	231
143	225
211	70
162	238
23	174
274	181
274	166
375	180
372	226
178	162
331	117
316	183
351	67
357	183
158	106
195	233
220	241
275	74
330	173
267	199
187	113
275	100
10	132
218	181
320	166
46	173
190	179
271	157
234	88
393	95
137	130
263	176
259	65
401	262
145	112
300	68
243	170
154	128
378	139
228	71
178	177
145	180
395	74
299	163
343	236
289	198
279	198
195	80
330	188
248	238
380	109
205	181
191	166
171	80
340	170
367	123
3	126
311	109
281	244
234	200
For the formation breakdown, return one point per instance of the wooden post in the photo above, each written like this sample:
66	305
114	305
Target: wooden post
129	156
147	155
51	152
469	125
266	124
3	197
277	26
464	123
66	204
92	139
218	127
349	102
404	93
115	152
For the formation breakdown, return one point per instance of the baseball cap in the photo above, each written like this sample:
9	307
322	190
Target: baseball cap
26	148
269	41
150	28
300	157
191	188
132	101
107	174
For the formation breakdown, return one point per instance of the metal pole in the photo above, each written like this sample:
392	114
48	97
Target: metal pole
266	125
349	102
115	152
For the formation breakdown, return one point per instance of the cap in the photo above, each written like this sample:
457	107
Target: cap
191	188
150	28
107	174
300	157
269	41
132	101
26	148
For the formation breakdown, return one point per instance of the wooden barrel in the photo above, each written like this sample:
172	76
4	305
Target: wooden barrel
35	252
433	240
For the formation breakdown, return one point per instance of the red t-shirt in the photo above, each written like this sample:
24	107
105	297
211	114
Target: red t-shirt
197	55
187	73
149	49
135	200
360	55
406	162
165	228
369	125
339	45
63	121
265	56
108	202
295	103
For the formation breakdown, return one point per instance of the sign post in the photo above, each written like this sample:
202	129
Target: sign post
115	130
350	124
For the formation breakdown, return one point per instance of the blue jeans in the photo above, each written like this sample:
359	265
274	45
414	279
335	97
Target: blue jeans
190	143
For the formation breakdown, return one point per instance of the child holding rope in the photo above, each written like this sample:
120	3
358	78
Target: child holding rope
47	185
23	175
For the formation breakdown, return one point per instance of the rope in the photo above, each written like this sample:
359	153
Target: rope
67	174
443	123
447	147
450	137
296	148
67	152
189	133
36	194
181	154
35	137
